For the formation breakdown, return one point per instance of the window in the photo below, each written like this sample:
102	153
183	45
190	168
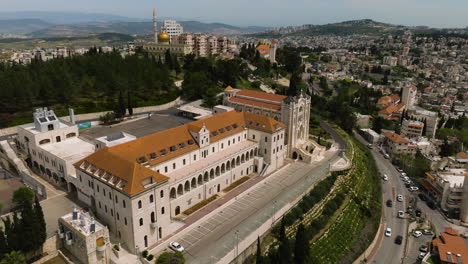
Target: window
123	203
118	216
183	161
229	142
162	210
57	139
97	188
103	190
222	145
151	199
81	180
153	218
165	169
50	127
99	205
253	136
125	220
139	204
266	139
195	157
238	139
173	166
110	196
112	212
141	221
265	151
105	208
161	194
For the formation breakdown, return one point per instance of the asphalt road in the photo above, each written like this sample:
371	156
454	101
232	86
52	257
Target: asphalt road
217	236
389	252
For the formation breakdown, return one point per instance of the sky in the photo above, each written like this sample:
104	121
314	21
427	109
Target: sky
434	13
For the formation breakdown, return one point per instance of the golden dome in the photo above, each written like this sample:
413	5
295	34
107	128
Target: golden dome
163	37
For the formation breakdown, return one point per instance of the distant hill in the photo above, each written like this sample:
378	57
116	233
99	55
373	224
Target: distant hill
22	26
140	28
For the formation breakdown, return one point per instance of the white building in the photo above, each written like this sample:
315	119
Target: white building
409	97
172	28
52	147
84	237
139	188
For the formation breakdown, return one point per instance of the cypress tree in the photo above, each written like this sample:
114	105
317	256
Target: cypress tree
3	244
28	235
425	127
284	250
258	256
129	103
40	223
301	246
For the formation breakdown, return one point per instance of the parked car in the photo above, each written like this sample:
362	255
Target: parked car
400	198
370	146
388	232
431	204
417	213
385	177
403	174
401	214
413	188
399	170
407	185
427	232
176	246
421	255
417	233
422	196
386	156
398	240
423	248
389	203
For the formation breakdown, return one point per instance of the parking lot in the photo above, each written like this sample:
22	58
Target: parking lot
414	244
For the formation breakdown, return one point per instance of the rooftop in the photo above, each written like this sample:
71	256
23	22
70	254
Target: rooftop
451	247
261	95
82	222
71	150
396	138
31	127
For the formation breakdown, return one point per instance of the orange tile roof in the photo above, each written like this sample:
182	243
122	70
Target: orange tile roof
263	47
395	97
451	247
396	138
419	125
229	88
462	155
255	103
262	95
123	161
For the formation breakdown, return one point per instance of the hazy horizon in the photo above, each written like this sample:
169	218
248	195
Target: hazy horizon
272	13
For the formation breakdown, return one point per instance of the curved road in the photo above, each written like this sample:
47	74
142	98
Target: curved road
388	251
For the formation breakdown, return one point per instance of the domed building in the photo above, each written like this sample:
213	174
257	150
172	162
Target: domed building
163	37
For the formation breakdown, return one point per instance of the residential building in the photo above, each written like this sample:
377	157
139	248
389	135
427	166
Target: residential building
388	100
409	96
432	120
84	237
172	28
52	147
139	188
395	144
267	50
392	112
412	129
450	247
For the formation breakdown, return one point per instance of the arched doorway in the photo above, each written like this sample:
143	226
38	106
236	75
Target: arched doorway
294	155
177	210
72	190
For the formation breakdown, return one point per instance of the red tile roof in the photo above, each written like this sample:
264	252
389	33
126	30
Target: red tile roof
451	247
396	138
255	103
262	95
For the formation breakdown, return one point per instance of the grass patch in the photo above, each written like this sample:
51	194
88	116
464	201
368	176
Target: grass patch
199	205
236	183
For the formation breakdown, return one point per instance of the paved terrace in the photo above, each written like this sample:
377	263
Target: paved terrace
213	159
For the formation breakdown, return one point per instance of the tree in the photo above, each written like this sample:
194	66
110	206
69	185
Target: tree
258	255
301	246
168	59
40	224
29	236
14	257
385	79
170	258
120	107
293	83
129	103
3	244
284	250
425	127
23	196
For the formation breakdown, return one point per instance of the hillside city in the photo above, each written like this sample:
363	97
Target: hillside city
334	143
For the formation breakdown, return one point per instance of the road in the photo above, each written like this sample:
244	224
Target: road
221	233
388	252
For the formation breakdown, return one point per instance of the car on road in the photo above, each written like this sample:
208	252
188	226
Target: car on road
427	232
399	170
401	214
385	177
388	232
398	240
421	255
176	246
413	188
370	146
422	196
389	203
431	204
407	185
386	156
417	233
423	248
400	198
403	174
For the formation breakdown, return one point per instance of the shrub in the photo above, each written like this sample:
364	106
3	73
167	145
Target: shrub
144	253
150	257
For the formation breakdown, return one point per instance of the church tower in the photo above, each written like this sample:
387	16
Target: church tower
155	26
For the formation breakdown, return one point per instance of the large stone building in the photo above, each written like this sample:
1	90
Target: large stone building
140	187
412	129
409	97
294	111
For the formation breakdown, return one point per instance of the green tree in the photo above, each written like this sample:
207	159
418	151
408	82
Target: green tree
258	255
129	103
3	244
40	224
14	257
168	59
301	246
170	258
29	236
284	249
120	107
22	196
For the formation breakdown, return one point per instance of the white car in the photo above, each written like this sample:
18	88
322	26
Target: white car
422	255
386	156
176	246
400	198
403	174
417	233
385	177
413	188
388	232
401	214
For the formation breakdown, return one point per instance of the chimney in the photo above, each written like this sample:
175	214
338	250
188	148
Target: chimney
72	115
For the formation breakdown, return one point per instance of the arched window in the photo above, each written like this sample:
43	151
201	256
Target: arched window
162	210
205	177
180	189
141	221
217	171
200	179
223	168
212	174
177	210
194	183
187	186
172	194
153	218
139	204
161	193
151	199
